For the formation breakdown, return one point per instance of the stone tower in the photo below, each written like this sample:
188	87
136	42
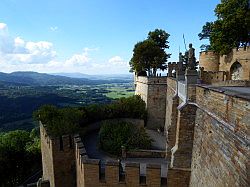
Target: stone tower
210	61
153	91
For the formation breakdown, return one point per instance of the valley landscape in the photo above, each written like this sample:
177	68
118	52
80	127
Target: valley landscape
21	93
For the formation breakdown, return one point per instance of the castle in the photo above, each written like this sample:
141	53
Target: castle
206	122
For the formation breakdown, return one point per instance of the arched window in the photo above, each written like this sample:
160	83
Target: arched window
236	71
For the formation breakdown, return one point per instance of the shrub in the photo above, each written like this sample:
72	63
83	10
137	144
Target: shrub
59	121
68	120
131	107
113	135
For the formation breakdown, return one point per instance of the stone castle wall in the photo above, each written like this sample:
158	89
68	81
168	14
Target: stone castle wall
210	77
213	62
221	148
242	56
153	91
207	132
209	61
172	102
47	156
57	159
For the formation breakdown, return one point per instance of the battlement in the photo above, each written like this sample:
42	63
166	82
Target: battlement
152	80
91	172
242	50
57	158
62	143
208	53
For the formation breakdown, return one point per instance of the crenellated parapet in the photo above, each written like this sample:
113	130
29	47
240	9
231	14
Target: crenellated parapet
56	144
91	172
151	80
57	158
172	66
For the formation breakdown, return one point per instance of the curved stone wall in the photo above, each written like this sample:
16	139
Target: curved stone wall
209	61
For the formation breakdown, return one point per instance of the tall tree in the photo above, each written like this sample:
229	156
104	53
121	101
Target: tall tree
19	156
232	27
160	37
149	55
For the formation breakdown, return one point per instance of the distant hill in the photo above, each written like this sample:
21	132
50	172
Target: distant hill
96	77
34	78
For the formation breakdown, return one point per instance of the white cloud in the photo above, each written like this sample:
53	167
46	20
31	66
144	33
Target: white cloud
16	50
78	59
117	60
16	54
3	28
54	29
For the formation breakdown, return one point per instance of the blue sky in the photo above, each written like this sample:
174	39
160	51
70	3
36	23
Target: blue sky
92	36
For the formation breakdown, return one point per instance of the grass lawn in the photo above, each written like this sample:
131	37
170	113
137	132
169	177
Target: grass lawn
118	92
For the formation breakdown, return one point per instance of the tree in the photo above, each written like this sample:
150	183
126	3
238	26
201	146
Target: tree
160	37
205	34
149	55
20	156
231	29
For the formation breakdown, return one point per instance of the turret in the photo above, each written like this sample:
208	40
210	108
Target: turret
209	60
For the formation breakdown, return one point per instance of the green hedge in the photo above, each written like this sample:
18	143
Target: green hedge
59	121
69	120
113	135
131	107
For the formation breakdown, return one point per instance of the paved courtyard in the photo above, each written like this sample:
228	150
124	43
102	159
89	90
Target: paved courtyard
91	145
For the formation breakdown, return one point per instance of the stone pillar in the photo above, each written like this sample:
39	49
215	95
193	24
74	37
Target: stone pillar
124	153
182	156
191	76
180	75
180	167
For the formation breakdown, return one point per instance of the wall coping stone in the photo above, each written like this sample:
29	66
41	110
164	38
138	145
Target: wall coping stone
132	164
226	92
181	169
90	161
112	163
